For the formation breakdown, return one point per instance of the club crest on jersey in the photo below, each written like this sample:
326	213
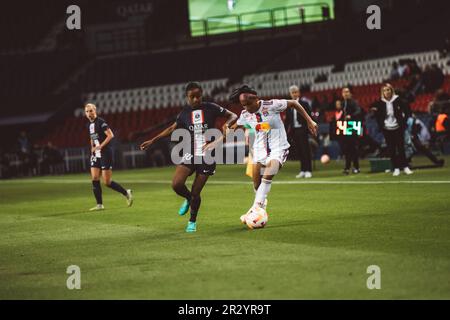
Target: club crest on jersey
265	111
262	126
197	117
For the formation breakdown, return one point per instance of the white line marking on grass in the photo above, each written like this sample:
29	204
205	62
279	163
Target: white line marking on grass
229	182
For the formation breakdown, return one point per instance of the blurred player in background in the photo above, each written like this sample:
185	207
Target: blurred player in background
197	117
420	137
102	157
271	147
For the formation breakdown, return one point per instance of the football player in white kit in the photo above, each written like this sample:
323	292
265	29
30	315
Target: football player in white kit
270	148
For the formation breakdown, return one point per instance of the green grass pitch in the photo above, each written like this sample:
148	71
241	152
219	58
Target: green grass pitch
321	237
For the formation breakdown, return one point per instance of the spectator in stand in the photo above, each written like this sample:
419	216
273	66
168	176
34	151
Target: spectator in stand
5	167
442	124
321	78
437	79
23	142
33	160
426	78
51	158
391	113
324	104
46	159
414	67
315	104
415	86
441	100
402	69
437	108
332	104
23	153
430	80
316	111
394	72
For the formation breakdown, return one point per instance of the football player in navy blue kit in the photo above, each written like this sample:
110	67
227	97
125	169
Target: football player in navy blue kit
196	118
101	157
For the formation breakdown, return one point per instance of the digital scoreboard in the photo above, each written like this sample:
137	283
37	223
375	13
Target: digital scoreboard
349	128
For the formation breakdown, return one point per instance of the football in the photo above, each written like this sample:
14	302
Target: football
257	218
325	159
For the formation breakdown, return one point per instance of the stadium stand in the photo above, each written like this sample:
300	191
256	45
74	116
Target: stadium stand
138	108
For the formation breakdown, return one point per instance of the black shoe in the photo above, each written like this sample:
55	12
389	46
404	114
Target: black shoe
356	171
346	172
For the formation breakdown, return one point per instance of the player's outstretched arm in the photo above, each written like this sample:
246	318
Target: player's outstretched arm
226	130
312	125
236	126
165	133
231	119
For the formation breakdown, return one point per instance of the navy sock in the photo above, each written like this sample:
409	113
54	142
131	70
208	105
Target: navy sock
97	189
193	217
117	187
195	206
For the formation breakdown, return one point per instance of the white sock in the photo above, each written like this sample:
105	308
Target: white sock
263	191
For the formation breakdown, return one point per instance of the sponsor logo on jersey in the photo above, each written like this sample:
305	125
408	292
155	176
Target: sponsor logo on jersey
198	127
94	136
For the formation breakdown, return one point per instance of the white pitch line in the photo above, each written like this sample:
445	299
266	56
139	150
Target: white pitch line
230	182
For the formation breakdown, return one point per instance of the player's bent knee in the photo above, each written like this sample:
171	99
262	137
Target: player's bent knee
176	186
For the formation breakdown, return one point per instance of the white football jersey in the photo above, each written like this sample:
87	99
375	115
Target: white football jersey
269	128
